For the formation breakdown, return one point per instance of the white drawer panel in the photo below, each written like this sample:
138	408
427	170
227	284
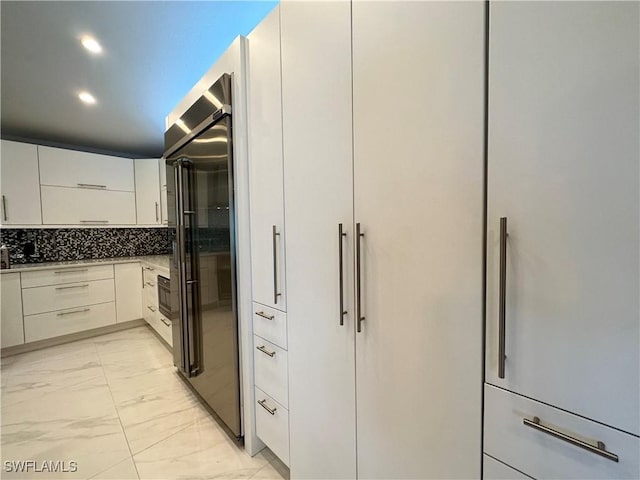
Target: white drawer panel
272	428
64	322
495	470
271	370
270	324
78	206
543	456
59	297
161	325
66	275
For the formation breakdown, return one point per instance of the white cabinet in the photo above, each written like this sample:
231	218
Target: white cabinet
264	110
11	330
418	109
79	206
563	171
316	114
70	168
147	191
20	184
128	287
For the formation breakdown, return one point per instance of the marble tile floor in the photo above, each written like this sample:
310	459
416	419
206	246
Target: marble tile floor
115	405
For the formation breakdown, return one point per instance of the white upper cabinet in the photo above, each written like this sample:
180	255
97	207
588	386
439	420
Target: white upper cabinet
69	168
148	209
265	163
20	185
318	176
563	170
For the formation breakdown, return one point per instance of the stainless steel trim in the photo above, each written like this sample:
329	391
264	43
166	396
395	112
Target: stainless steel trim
275	265
71	270
264	315
341	234
75	311
360	318
94	221
264	350
502	302
151	308
598	449
216	116
4	207
92	185
263	404
72	286
166	322
157	217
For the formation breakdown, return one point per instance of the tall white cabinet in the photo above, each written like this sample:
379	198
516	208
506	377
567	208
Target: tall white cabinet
563	236
20	184
264	110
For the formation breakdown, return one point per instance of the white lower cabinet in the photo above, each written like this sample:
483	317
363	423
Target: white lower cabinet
128	289
87	206
548	443
492	469
272	424
11	329
64	322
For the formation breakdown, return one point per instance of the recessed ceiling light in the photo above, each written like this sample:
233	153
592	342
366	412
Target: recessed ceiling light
86	97
91	44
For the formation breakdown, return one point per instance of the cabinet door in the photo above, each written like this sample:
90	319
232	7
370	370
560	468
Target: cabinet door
12	328
128	280
319	197
147	191
78	206
20	184
418	70
563	171
265	163
70	168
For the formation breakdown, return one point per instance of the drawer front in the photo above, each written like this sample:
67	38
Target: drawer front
495	470
63	275
270	324
542	455
64	322
59	297
272	427
271	371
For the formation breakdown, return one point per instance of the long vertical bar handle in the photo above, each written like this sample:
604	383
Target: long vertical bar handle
341	234
502	307
4	207
359	316
275	266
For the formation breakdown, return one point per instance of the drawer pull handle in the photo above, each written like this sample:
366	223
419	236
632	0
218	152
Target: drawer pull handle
72	286
263	349
74	311
263	404
598	449
151	308
264	315
91	185
71	270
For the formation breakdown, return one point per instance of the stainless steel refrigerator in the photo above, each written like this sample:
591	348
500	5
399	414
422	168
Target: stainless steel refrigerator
199	161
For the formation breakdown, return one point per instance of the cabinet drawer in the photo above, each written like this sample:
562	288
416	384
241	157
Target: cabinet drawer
495	470
59	297
542	455
78	206
66	275
64	322
271	372
270	324
272	426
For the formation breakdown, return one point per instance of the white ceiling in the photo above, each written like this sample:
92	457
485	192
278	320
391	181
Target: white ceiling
153	53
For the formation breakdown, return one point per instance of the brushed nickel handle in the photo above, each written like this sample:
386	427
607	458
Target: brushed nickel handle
71	270
75	311
341	234
359	316
157	217
72	286
264	315
264	350
151	308
263	404
502	300
598	449
4	207
275	265
94	221
91	185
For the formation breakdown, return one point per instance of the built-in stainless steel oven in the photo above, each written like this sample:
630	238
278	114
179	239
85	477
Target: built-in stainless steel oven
164	296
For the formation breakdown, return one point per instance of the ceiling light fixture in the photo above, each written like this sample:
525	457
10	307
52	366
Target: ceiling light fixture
91	44
87	98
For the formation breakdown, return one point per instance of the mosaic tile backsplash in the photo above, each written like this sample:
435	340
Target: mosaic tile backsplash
62	244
